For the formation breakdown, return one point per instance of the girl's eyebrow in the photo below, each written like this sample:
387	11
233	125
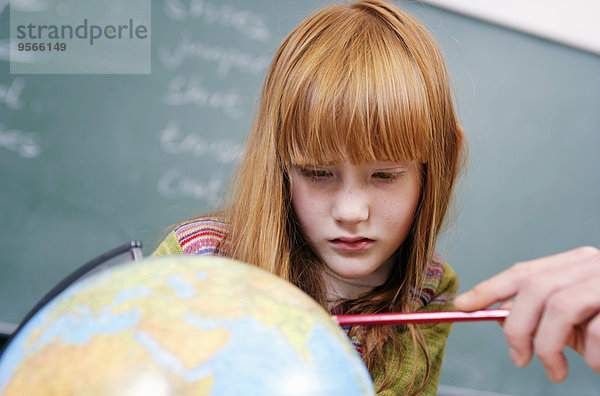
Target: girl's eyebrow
390	166
310	166
397	166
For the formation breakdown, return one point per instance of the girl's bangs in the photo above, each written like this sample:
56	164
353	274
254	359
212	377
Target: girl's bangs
357	97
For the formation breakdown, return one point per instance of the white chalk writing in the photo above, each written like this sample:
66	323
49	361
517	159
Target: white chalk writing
25	144
10	94
250	24
181	92
175	184
173	141
225	58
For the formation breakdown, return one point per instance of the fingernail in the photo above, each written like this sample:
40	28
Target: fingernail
463	299
516	358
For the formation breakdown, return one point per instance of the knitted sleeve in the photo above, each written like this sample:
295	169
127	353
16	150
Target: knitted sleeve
435	338
204	236
169	246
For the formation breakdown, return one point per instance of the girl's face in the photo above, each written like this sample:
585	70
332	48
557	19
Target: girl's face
355	217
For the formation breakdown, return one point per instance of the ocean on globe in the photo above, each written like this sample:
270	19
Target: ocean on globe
182	325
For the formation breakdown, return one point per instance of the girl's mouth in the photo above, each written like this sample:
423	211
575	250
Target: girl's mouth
351	243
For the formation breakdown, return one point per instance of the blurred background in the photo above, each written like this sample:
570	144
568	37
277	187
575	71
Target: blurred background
91	161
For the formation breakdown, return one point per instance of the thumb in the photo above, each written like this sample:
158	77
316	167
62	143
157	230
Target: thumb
498	288
467	301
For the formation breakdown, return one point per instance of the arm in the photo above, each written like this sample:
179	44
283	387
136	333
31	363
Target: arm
169	246
555	303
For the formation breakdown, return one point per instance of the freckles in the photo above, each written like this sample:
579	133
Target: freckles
396	210
305	201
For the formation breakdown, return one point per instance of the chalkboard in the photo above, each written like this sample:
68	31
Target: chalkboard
89	162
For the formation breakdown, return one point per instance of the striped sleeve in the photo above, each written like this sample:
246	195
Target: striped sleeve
201	236
168	247
434	290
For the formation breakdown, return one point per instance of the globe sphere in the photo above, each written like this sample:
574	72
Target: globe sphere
182	325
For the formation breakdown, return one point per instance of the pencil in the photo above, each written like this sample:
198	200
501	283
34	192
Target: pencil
419	317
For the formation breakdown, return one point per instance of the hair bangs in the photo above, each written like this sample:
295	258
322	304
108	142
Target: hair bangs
355	93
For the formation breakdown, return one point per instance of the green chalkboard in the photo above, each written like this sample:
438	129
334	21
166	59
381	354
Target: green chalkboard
89	162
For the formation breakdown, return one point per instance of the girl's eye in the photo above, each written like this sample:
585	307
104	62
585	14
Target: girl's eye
314	173
387	177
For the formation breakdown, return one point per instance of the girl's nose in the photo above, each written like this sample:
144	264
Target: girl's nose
350	206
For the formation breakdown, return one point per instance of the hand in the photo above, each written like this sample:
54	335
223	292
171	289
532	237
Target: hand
555	303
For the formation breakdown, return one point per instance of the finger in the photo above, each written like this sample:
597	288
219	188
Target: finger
591	350
507	283
498	288
505	305
565	312
555	285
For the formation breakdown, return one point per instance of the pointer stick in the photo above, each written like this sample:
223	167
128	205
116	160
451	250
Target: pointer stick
420	317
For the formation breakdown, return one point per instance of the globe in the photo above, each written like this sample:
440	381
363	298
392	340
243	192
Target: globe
182	325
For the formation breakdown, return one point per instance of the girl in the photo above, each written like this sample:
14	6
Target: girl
346	182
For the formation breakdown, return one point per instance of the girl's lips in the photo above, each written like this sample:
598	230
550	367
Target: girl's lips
351	244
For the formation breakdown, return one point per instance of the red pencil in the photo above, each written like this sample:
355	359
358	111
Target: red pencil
420	317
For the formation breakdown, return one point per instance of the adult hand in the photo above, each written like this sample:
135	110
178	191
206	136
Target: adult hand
554	302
